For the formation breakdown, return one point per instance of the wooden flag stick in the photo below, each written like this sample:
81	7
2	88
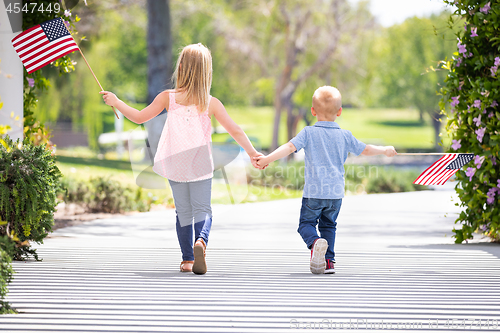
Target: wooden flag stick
116	114
95	77
415	154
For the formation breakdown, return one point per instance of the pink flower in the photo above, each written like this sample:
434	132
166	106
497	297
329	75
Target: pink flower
494	161
470	172
454	101
461	48
498	182
494	104
480	134
67	13
497	61
486	8
477	120
491	195
494	70
459	62
477	161
473	32
490	115
31	82
477	103
456	144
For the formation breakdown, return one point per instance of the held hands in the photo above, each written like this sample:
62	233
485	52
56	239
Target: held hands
255	158
109	98
261	161
390	151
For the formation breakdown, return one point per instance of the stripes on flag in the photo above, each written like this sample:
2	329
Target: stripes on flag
43	44
439	172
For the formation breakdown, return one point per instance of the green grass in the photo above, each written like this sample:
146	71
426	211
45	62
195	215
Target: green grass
400	128
80	164
396	127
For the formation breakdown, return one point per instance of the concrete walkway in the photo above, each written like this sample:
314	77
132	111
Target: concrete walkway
397	268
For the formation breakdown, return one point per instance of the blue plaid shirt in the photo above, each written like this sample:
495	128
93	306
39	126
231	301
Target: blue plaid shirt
326	147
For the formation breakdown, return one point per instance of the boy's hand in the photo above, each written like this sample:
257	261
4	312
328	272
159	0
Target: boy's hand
261	162
390	151
253	160
109	98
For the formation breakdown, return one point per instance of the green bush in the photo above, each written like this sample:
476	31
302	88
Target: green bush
358	178
103	194
5	278
392	181
29	181
473	91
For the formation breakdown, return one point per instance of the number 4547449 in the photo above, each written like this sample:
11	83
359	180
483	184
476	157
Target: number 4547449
32	7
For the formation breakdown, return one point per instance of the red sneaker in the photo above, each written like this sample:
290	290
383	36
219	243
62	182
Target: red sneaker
329	266
318	250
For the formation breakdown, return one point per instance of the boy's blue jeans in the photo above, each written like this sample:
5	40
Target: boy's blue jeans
322	213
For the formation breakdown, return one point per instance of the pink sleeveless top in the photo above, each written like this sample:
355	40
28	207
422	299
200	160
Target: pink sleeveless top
184	151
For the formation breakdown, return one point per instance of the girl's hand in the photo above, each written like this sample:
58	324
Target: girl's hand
261	161
253	159
109	98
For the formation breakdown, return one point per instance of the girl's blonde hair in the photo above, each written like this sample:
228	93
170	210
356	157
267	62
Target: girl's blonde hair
193	74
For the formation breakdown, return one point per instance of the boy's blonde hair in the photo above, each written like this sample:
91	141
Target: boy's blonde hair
193	74
327	100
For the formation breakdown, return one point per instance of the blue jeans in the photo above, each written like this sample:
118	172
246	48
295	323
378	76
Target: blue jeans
322	213
193	210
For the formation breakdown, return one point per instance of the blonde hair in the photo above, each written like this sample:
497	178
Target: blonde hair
327	100
193	74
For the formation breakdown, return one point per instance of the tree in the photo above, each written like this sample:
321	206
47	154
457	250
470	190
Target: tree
401	74
288	44
308	32
159	61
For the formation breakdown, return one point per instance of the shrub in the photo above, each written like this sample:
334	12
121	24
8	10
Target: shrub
473	90
5	278
103	194
358	178
28	185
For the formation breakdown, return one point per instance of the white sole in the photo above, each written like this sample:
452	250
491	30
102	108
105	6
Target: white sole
318	262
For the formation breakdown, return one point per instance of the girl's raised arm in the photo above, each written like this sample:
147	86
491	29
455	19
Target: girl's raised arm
152	110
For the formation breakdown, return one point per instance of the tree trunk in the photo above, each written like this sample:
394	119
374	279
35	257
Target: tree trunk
159	62
277	120
436	124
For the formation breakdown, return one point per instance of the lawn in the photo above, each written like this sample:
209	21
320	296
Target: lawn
396	127
79	164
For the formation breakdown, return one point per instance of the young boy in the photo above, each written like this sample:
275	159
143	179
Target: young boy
326	146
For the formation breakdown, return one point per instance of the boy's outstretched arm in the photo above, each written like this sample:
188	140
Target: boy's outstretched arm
372	150
281	152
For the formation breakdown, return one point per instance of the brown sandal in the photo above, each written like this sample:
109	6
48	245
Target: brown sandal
187	266
200	265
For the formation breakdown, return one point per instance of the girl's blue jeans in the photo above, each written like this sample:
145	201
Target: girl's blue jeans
323	214
194	213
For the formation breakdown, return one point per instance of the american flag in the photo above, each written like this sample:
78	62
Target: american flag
443	169
43	44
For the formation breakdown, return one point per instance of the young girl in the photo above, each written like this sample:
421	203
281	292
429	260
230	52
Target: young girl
184	154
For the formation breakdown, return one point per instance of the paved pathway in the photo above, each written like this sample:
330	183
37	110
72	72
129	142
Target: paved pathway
397	268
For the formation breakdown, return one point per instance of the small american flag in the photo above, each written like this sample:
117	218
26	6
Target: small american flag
43	44
443	169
